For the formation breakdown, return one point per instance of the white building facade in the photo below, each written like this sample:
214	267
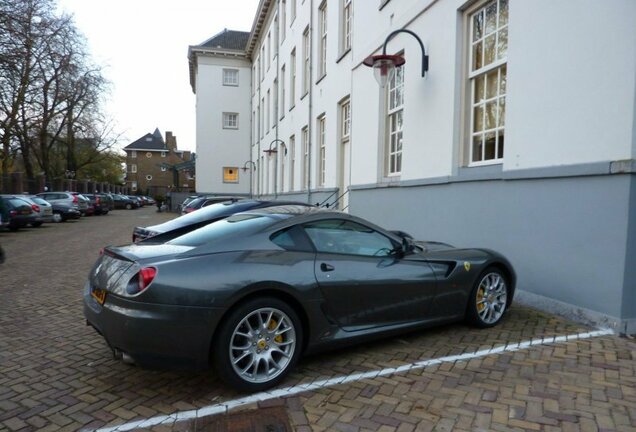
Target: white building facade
521	137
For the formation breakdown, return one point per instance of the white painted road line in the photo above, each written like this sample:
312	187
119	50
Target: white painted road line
226	406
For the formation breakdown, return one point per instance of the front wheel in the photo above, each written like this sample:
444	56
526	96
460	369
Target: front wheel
489	298
258	344
128	206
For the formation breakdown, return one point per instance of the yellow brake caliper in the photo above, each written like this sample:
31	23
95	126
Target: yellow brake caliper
271	326
481	305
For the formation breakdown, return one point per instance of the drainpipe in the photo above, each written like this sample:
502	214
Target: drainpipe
277	118
309	123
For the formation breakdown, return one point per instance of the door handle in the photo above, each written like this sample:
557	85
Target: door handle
326	267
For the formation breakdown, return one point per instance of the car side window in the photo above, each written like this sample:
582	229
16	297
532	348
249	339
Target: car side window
346	237
291	239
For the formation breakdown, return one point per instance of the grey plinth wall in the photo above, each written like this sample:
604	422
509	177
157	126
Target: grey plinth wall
570	236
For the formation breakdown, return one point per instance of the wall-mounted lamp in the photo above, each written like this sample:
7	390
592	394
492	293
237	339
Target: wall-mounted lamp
271	150
252	166
384	64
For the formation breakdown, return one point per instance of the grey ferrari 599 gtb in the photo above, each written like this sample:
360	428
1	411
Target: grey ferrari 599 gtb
249	294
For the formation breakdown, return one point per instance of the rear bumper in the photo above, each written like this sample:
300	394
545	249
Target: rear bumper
154	335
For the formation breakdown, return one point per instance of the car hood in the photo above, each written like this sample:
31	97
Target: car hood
430	246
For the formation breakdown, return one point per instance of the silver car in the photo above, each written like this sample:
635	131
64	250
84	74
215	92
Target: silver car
43	208
76	201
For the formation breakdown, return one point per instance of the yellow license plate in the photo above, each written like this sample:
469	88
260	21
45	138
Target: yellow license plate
99	295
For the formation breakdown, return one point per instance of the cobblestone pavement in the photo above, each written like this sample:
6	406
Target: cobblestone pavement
56	374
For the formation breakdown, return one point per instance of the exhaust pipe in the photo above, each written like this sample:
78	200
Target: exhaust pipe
125	357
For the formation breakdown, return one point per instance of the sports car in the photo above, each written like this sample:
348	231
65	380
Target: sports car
189	222
249	294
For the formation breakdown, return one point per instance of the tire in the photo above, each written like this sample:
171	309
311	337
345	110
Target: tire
36	224
128	206
270	323
488	300
57	217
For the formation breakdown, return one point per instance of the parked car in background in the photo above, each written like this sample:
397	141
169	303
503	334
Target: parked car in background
87	210
185	202
123	202
63	211
204	201
42	208
20	212
136	199
66	197
98	202
173	228
150	200
251	293
107	201
4	213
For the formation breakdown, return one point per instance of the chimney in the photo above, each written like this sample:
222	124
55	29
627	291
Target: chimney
171	141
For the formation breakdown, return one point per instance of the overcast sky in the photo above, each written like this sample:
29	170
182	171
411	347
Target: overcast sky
143	45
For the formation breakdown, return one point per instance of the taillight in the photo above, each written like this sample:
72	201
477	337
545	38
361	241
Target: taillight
75	199
97	200
13	213
189	210
141	280
101	251
36	208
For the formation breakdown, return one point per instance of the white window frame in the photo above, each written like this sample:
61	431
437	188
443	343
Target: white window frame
395	124
133	168
305	148
306	61
322	149
230	120
163	168
347	23
292	12
292	159
283	19
163	154
231	77
322	23
345	120
268	125
262	117
149	177
133	154
275	102
133	185
282	92
482	72
269	50
292	78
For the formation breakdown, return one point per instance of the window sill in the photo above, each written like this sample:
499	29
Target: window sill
282	118
230	85
343	55
322	77
383	3
292	107
303	96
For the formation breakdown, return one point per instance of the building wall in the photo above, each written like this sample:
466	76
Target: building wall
218	147
561	202
161	180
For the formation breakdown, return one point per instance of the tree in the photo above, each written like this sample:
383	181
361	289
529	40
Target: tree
50	92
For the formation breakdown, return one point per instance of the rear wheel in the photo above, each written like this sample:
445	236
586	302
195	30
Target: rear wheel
489	298
128	206
258	344
36	224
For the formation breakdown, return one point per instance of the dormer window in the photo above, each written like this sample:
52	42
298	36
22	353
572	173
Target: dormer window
148	139
163	154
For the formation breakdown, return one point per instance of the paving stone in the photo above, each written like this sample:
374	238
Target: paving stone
60	375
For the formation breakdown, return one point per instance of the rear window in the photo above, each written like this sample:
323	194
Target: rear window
16	202
39	200
237	225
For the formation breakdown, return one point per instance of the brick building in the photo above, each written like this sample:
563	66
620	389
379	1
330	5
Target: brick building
155	166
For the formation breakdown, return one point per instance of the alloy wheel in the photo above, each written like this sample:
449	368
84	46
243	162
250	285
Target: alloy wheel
492	297
262	345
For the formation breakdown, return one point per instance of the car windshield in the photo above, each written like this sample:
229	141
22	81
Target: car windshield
241	224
